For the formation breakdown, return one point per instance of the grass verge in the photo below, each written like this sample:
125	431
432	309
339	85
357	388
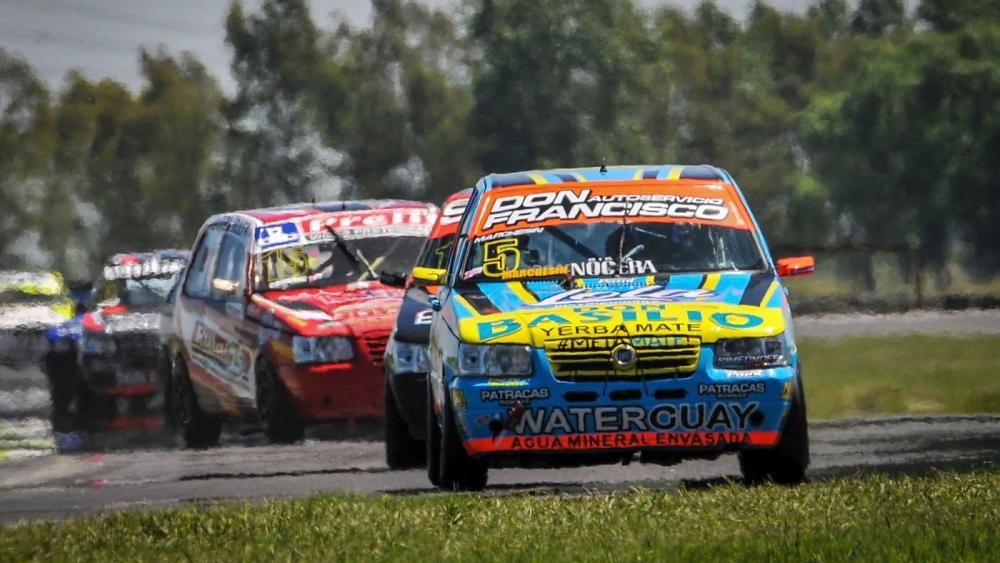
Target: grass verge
943	517
901	375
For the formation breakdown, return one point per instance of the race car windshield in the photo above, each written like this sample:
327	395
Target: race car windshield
144	293
611	249
333	262
436	252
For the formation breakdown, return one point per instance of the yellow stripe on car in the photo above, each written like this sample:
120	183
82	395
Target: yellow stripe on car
518	289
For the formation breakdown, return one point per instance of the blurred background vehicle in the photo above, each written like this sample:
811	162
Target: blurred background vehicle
406	354
31	303
118	367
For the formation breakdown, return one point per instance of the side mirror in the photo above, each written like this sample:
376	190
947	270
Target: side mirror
392	279
226	287
797	266
428	276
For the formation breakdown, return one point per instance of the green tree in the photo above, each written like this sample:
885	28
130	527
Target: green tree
877	17
560	83
273	151
393	102
25	146
952	15
132	172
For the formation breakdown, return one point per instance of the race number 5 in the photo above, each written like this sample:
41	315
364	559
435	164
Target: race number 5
496	254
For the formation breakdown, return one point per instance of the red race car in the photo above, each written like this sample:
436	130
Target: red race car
281	317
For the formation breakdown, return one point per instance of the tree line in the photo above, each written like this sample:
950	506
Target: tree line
867	126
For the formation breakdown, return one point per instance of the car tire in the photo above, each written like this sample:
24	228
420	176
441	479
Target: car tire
166	389
433	450
402	450
197	429
459	471
63	387
281	423
786	463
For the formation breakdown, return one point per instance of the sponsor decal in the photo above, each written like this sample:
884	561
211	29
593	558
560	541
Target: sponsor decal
607	266
740	390
508	234
271	236
623	440
786	391
371	223
619	330
742	373
574	205
579	296
489	330
736	320
694	416
507	383
224	354
516	396
607	342
541	271
597	321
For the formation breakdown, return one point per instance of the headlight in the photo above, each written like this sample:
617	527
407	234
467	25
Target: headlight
410	358
321	350
98	344
751	353
496	360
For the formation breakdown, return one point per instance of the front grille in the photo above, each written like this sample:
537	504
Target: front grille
659	357
375	343
138	348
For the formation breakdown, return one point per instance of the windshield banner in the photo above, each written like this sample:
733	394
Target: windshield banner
404	222
538	206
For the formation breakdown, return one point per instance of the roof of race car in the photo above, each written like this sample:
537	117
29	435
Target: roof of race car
277	214
123	258
32	282
152	263
608	174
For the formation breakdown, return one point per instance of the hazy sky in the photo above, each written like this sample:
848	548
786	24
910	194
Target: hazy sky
102	37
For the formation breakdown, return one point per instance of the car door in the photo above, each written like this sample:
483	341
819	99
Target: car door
225	311
191	326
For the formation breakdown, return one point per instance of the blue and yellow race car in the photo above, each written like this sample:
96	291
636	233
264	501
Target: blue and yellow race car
597	315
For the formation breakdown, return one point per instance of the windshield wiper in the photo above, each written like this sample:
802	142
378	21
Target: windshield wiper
356	257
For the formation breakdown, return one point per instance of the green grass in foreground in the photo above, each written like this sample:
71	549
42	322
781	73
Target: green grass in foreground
944	517
901	375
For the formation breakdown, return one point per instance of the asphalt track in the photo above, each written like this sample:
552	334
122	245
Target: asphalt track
40	484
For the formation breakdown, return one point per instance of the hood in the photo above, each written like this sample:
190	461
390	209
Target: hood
357	307
712	306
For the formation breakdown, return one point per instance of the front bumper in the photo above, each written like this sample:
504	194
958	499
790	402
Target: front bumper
344	390
410	392
708	410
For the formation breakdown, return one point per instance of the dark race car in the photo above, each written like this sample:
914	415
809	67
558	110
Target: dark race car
119	358
406	353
